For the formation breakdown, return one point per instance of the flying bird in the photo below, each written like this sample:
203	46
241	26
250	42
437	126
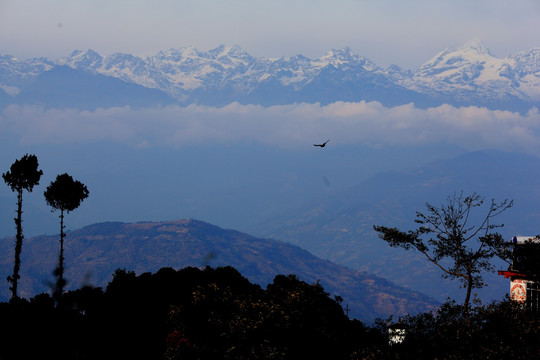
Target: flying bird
323	144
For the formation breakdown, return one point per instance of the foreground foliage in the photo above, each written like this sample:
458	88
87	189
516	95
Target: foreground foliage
501	330
187	314
218	314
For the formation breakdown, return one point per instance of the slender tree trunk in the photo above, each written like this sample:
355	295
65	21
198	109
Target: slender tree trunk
468	296
18	248
59	272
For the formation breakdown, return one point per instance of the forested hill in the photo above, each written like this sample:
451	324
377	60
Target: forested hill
94	252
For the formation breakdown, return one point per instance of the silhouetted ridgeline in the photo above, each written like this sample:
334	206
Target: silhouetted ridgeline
94	252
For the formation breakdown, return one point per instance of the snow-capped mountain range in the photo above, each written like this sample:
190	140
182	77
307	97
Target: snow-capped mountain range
468	75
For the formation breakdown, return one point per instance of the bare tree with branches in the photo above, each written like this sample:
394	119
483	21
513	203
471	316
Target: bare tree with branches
455	239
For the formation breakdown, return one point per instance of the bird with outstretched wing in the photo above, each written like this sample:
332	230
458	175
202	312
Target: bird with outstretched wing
323	144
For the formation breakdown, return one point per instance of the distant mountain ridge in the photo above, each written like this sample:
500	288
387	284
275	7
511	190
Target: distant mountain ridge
63	85
339	227
468	75
94	252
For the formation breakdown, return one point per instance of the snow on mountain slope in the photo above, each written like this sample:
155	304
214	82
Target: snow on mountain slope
473	70
188	68
15	74
527	69
466	75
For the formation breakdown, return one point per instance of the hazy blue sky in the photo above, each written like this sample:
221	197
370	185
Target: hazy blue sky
403	32
244	163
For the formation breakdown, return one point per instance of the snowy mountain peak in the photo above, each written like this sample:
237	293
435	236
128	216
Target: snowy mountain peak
475	46
454	57
88	54
462	65
234	51
83	59
345	56
177	55
471	70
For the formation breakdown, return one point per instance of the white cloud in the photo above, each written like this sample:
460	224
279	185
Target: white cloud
287	126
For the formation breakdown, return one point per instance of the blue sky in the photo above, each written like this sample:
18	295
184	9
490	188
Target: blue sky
407	33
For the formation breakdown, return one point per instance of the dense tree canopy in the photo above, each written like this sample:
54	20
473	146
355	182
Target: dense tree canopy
65	194
23	174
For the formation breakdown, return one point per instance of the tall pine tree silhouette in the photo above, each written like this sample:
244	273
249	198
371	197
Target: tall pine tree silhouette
64	194
22	175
